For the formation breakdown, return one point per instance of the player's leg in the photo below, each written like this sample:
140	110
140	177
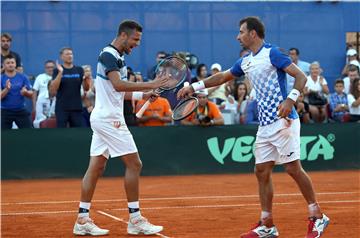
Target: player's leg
137	223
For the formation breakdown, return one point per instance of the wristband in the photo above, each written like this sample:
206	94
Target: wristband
198	85
137	95
294	94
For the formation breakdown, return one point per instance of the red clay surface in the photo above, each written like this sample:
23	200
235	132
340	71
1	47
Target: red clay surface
198	206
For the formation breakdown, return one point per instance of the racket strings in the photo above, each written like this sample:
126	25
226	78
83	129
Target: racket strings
174	69
185	108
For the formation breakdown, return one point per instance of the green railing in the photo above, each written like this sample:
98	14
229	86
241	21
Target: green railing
49	153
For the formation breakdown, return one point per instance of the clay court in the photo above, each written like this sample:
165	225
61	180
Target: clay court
187	206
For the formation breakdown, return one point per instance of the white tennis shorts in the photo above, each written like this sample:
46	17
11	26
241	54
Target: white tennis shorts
278	142
110	138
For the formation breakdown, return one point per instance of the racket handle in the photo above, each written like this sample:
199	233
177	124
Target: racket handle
142	109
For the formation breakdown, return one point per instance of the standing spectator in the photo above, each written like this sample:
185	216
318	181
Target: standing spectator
66	85
201	73
207	113
157	114
217	94
6	40
354	101
41	100
151	72
315	90
352	73
14	88
88	97
304	66
339	102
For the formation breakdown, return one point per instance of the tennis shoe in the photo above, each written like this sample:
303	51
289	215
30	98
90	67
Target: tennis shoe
261	231
89	228
140	225
317	226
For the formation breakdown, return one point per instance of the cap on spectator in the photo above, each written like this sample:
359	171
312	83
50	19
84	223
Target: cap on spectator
216	66
351	52
355	62
202	92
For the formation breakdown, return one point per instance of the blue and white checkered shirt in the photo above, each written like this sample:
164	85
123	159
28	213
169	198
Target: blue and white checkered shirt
265	72
336	99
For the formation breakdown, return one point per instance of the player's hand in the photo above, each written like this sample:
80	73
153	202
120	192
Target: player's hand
8	84
23	91
185	91
285	108
150	95
159	81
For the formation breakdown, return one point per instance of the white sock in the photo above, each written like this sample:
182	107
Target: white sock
264	215
83	206
134	205
314	209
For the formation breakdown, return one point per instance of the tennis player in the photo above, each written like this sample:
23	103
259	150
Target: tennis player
278	136
111	136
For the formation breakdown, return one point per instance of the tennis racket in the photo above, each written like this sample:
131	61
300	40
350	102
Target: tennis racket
175	70
185	108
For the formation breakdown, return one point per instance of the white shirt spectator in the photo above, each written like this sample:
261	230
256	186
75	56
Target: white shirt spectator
304	66
41	85
314	86
346	85
353	110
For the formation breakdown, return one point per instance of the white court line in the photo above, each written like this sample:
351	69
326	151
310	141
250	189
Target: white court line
124	221
180	207
175	198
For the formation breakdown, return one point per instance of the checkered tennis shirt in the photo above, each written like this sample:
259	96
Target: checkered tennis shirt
265	72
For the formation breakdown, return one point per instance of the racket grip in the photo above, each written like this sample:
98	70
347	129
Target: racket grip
142	109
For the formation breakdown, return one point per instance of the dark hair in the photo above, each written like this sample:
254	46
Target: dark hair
9	56
7	36
198	69
254	23
354	88
339	81
49	61
65	48
352	67
236	96
128	26
296	50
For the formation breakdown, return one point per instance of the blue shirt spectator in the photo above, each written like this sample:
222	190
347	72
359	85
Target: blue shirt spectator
338	102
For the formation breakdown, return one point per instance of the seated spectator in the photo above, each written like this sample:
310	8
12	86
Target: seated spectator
41	99
354	101
201	73
217	94
130	105
151	72
351	59
157	114
252	113
352	73
14	88
315	93
302	108
339	102
207	113
88	97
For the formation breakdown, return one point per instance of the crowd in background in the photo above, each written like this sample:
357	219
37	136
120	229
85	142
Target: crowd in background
64	94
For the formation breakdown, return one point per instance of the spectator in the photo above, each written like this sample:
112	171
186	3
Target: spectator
241	97
14	88
207	113
88	97
304	66
217	94
201	73
66	85
151	72
129	105
352	73
302	108
252	113
157	114
6	40
354	101
339	102
41	100
315	90
351	59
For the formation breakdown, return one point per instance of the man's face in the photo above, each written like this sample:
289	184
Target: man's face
339	88
203	72
244	36
353	75
160	57
293	55
5	43
49	68
67	56
131	41
202	99
9	65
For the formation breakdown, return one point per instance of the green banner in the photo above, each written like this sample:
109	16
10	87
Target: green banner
175	150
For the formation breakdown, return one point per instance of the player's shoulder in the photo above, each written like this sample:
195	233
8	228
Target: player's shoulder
275	49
